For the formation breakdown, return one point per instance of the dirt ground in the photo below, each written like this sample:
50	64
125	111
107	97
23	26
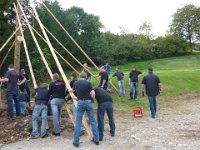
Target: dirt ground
175	128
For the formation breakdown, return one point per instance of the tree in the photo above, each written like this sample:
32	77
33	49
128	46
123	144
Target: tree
145	29
186	23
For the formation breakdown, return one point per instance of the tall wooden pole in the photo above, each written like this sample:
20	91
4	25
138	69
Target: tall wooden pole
88	130
18	41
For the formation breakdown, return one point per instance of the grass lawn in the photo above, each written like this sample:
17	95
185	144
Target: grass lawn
179	76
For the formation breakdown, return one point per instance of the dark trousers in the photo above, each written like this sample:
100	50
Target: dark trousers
105	86
102	108
13	95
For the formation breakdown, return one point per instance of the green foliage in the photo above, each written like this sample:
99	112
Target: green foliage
186	23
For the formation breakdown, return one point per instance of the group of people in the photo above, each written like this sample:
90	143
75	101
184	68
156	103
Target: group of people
55	95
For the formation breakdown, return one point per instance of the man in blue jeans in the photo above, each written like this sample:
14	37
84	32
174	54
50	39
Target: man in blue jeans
133	82
105	104
85	95
152	85
120	78
57	91
12	78
40	108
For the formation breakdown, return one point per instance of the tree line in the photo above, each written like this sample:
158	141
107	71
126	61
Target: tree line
102	47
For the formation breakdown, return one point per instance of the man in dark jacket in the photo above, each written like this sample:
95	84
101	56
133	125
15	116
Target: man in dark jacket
57	91
133	82
104	78
105	104
152	85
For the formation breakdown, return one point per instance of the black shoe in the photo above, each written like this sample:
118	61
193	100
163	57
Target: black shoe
75	145
95	142
56	134
100	139
82	133
44	136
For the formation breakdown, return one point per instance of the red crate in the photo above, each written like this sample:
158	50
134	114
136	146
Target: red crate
137	112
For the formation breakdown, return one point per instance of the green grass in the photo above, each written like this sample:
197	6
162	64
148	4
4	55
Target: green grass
179	76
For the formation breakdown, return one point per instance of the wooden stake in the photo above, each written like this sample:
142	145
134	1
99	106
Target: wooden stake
36	42
61	71
26	50
8	39
8	52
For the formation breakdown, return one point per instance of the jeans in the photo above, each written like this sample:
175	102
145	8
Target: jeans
133	85
39	109
75	113
102	108
121	88
85	105
56	105
22	106
152	105
13	96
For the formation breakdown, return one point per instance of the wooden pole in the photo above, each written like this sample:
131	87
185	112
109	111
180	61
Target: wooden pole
26	50
61	71
36	42
70	36
74	42
8	40
57	52
8	52
18	41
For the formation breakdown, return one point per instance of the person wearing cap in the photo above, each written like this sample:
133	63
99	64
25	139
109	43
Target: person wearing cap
133	82
151	84
12	93
84	95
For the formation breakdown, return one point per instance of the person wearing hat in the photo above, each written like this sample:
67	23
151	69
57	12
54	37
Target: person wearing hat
152	85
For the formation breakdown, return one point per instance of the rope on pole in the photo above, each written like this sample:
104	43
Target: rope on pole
88	130
26	50
8	52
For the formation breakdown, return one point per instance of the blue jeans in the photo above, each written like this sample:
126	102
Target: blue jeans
85	105
75	113
152	105
22	106
102	108
39	109
121	88
56	105
133	85
13	96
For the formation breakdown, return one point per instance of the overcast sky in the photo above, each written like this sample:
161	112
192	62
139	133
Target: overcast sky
131	13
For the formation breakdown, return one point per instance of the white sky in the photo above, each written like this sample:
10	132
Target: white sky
131	13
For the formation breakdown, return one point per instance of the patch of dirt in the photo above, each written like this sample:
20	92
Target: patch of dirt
176	127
